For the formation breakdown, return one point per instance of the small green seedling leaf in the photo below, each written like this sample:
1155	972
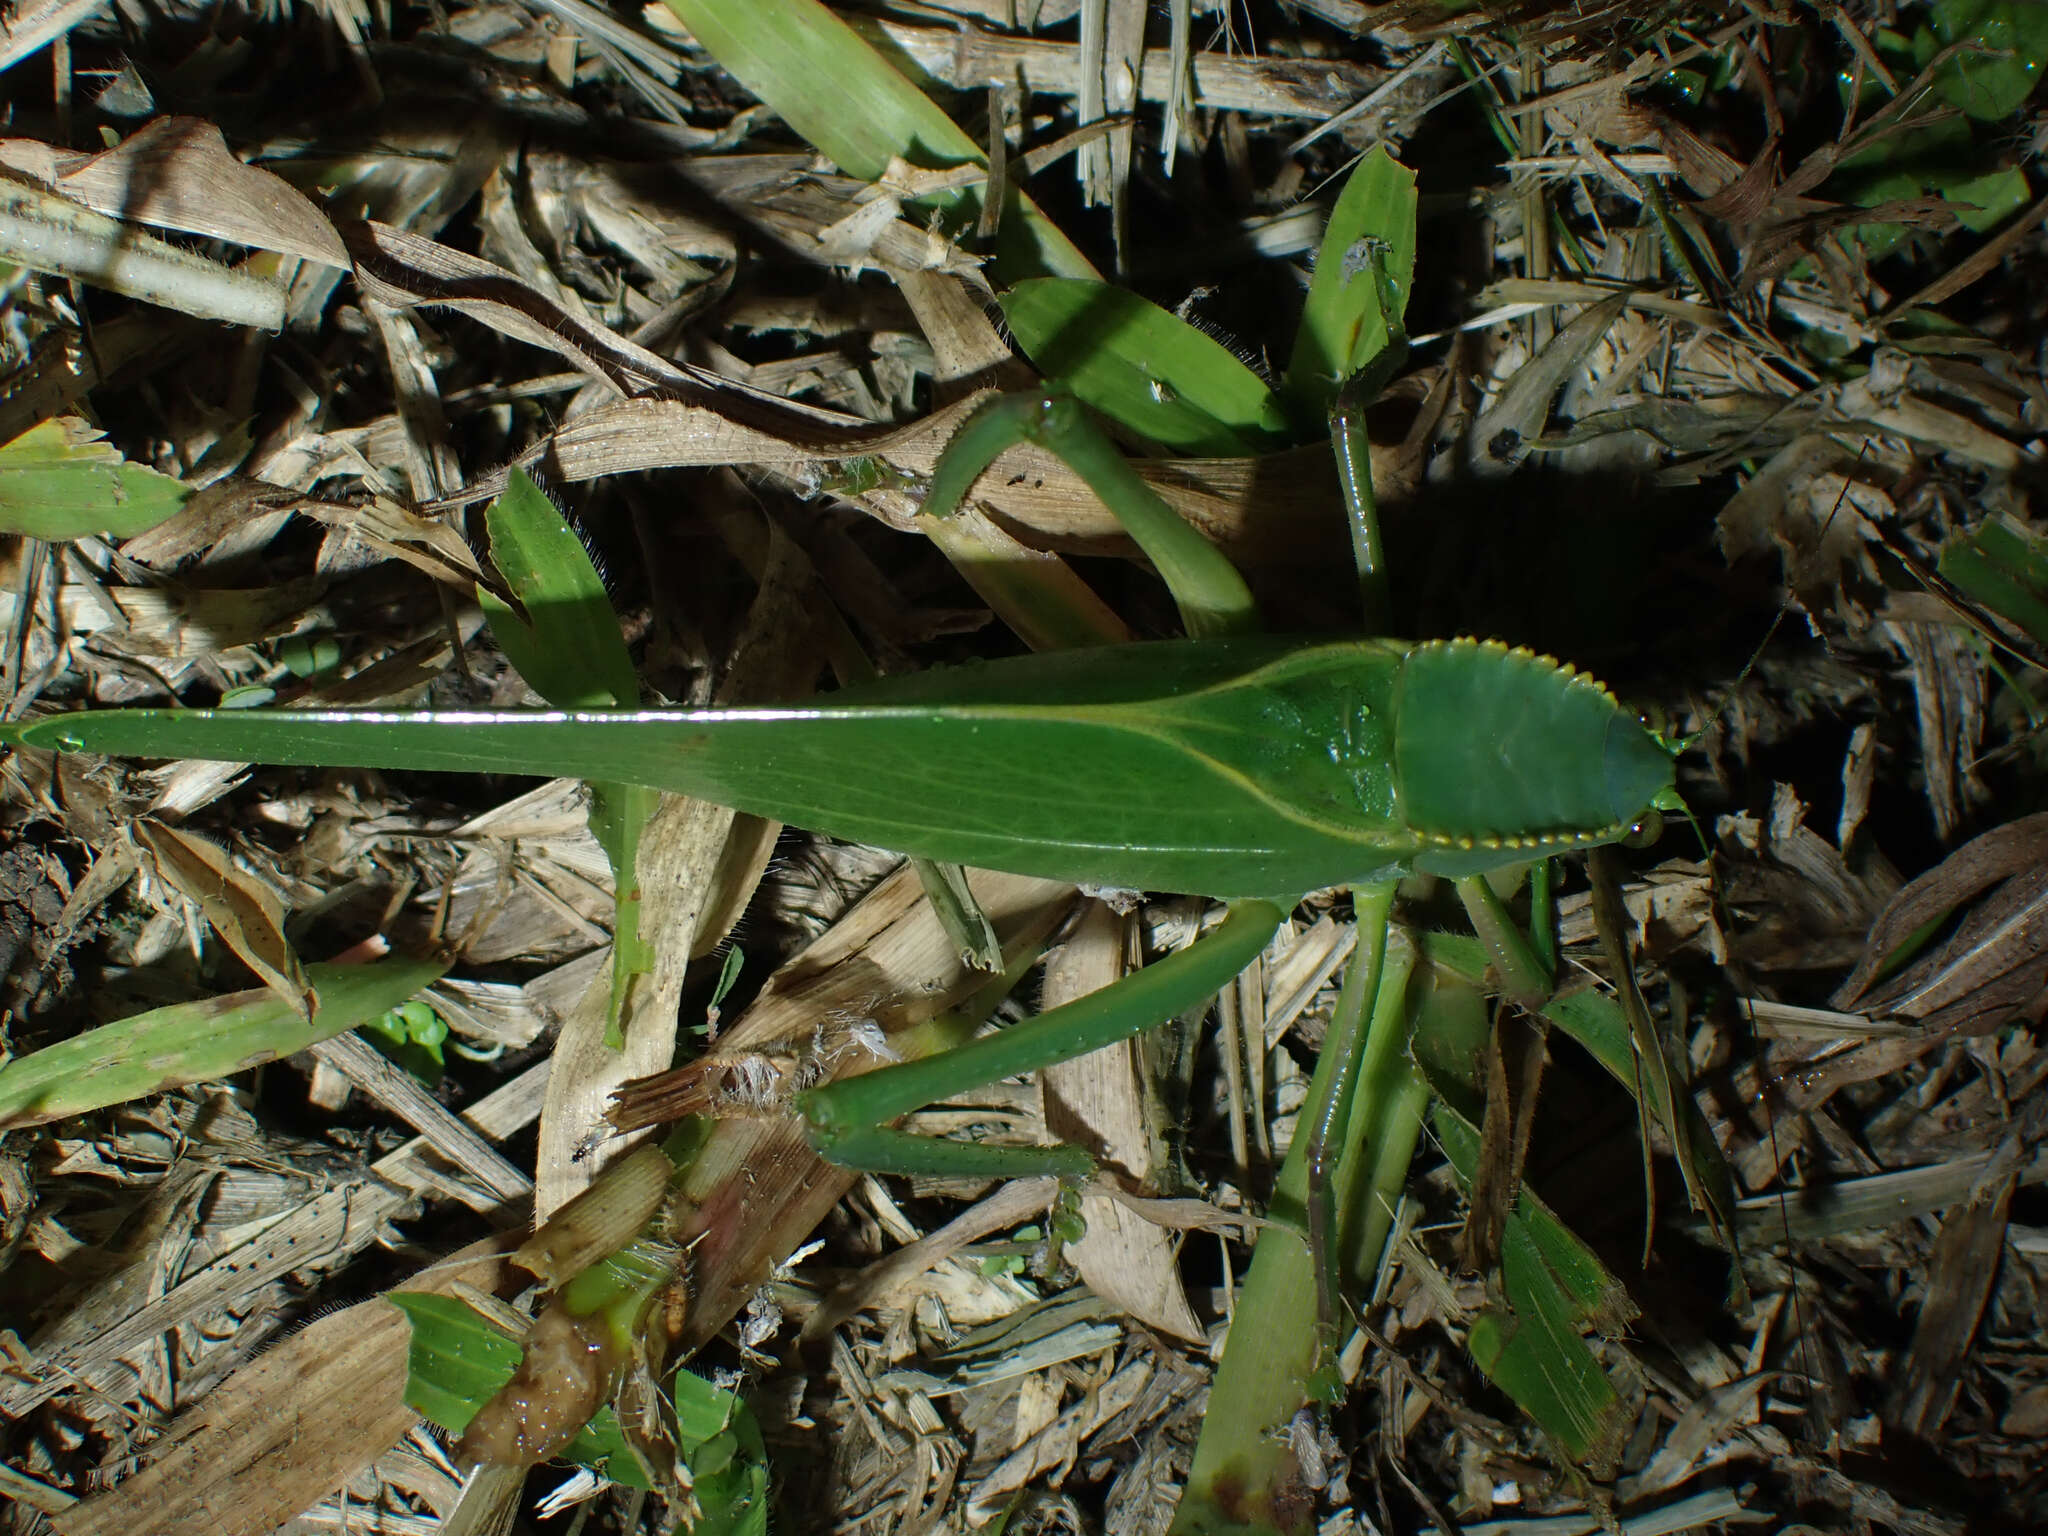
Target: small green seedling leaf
200	1041
411	1035
566	643
2006	570
62	479
720	1441
458	1359
309	655
1984	202
1145	368
1992	81
1349	318
567	646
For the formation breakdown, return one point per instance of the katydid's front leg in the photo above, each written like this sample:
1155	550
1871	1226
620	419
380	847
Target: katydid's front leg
848	1121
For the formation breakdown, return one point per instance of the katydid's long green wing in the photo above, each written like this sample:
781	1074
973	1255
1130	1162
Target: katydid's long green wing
1238	767
1231	766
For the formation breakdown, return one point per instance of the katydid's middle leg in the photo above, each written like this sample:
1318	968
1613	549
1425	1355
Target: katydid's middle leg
848	1121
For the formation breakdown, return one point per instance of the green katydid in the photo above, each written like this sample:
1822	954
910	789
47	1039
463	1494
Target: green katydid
1237	766
1229	764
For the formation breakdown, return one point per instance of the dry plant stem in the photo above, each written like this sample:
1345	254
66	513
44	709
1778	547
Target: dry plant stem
1106	1100
757	1189
251	1458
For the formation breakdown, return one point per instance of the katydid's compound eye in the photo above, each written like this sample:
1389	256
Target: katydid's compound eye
1646	831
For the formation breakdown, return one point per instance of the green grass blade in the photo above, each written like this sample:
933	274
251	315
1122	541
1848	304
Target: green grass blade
1598	1023
1145	368
1532	1350
1345	325
824	80
63	480
564	639
200	1041
2006	570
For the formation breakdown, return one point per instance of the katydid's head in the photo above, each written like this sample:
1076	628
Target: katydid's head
1636	767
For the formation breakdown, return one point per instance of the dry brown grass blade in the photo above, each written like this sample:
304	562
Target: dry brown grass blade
246	912
332	1228
284	1430
1961	1273
1990	965
1101	1102
178	173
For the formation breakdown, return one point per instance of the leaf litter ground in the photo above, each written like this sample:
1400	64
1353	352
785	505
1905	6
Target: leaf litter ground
1823	381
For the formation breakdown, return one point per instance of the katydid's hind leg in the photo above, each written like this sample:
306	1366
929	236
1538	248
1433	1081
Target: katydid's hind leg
1373	909
848	1121
880	1149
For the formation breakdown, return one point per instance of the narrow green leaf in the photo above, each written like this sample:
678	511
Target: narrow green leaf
567	643
1597	1022
567	646
1145	367
618	815
830	85
2006	570
1531	1349
1344	324
200	1041
62	479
